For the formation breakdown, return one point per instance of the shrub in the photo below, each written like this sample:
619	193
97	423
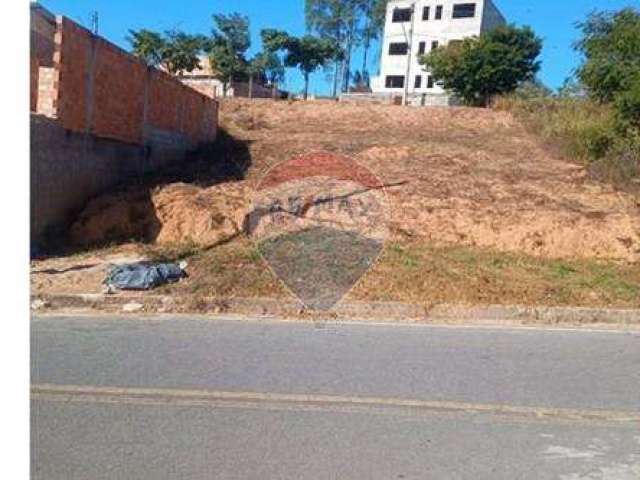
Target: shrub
477	68
627	105
610	44
584	130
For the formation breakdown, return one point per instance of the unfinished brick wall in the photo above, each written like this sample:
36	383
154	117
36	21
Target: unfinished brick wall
33	87
43	28
100	89
45	90
118	94
102	117
71	63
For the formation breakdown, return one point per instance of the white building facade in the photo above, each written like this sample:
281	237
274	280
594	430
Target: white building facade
414	28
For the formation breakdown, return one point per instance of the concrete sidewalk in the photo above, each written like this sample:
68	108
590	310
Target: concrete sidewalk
365	311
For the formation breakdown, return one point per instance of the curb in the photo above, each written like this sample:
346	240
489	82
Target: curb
365	311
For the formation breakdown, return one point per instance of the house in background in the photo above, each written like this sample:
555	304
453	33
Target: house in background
203	80
414	28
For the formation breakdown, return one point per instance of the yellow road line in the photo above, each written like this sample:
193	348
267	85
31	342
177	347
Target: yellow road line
137	395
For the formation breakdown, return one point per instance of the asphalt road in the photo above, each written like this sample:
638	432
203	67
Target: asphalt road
200	399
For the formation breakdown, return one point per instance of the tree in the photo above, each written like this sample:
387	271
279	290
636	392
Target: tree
272	42
233	30
374	17
335	20
610	45
269	65
147	45
610	71
174	51
308	53
627	104
477	68
228	46
182	52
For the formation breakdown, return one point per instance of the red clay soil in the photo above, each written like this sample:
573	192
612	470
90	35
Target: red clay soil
471	177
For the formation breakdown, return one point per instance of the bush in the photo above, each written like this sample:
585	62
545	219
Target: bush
627	104
610	44
477	68
584	130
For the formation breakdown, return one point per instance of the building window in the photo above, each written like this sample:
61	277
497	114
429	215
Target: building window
401	15
439	12
429	81
394	81
464	10
418	81
425	13
434	45
422	46
398	48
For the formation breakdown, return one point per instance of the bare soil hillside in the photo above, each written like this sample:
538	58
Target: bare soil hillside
482	212
472	177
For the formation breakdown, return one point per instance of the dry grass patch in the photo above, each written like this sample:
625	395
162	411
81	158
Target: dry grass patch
426	274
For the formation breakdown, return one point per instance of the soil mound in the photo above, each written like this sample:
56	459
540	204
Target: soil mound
172	214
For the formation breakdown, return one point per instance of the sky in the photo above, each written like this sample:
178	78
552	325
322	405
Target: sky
553	20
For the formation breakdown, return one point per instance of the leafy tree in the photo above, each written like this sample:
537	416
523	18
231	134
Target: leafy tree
147	45
233	30
308	53
627	104
337	21
374	12
175	51
272	42
610	72
610	44
181	52
477	68
268	64
228	46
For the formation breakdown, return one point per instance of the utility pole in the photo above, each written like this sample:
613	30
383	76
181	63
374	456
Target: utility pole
410	47
94	22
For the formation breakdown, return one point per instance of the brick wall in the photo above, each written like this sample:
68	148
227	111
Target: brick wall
33	86
43	28
45	89
100	89
119	81
102	117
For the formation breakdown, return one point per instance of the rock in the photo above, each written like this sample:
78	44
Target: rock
132	307
39	304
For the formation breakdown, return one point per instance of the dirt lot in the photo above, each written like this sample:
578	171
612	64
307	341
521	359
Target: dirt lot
482	213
